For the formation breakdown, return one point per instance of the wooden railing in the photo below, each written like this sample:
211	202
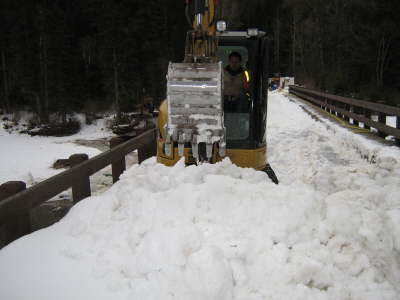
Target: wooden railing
358	110
16	201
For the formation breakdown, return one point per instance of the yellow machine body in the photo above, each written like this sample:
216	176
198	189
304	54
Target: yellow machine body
245	158
194	122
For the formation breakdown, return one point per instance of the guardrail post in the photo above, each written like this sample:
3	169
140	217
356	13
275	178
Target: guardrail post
335	105
356	110
367	114
329	102
117	166
81	186
382	119
148	150
342	106
14	226
348	108
398	126
322	98
326	101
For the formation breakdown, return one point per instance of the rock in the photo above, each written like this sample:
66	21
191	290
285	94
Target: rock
61	163
63	129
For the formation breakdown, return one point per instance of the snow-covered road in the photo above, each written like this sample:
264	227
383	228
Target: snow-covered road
330	230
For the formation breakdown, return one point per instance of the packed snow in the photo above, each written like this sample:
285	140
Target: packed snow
30	159
329	230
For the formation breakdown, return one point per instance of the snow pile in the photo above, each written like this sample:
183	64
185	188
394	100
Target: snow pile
208	232
100	128
330	230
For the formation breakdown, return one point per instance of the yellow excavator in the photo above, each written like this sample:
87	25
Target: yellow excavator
197	120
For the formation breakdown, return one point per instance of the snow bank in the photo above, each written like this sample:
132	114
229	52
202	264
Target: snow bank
208	232
330	230
30	159
99	128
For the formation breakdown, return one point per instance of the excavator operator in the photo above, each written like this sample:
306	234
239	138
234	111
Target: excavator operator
236	84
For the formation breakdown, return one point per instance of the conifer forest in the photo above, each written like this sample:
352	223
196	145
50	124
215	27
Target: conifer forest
89	55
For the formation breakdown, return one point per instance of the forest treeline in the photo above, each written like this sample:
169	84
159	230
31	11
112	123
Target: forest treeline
348	47
88	55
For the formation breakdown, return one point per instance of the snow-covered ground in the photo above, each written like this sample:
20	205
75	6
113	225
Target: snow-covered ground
30	159
329	230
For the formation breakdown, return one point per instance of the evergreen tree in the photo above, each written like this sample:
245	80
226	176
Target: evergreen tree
65	55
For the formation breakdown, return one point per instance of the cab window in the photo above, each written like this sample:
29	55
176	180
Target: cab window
224	51
236	91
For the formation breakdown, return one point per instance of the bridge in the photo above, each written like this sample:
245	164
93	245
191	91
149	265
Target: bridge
332	219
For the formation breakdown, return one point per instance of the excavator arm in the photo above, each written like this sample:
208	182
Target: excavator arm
201	42
194	88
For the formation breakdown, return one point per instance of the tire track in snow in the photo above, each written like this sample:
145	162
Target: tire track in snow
343	167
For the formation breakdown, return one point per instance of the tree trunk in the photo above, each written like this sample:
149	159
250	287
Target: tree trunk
44	113
141	98
294	28
5	81
277	40
116	85
321	83
38	103
166	31
300	38
382	59
231	12
45	81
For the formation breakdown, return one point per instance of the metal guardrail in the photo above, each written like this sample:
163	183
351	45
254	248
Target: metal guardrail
358	110
16	201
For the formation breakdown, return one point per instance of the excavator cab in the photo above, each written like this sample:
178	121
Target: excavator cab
197	121
245	124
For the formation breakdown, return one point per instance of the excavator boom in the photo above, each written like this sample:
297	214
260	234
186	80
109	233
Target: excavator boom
194	88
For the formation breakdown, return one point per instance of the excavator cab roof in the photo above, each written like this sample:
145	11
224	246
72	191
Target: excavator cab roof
251	33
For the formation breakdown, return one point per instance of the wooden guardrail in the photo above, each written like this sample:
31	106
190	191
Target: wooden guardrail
358	110
16	201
